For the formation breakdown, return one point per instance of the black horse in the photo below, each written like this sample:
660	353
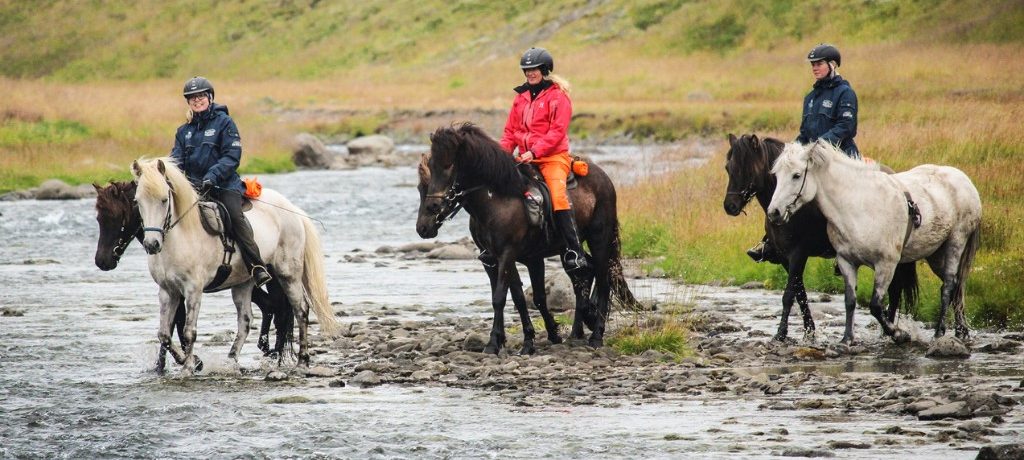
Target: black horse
120	223
748	163
467	168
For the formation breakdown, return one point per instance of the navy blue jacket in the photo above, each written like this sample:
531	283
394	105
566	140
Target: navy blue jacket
209	148
830	113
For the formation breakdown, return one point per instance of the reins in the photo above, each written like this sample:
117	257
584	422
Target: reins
451	201
168	224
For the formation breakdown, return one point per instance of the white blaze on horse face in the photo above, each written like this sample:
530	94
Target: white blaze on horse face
153	207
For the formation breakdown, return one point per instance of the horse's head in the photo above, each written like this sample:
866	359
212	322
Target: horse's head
119	221
162	187
746	164
437	177
796	179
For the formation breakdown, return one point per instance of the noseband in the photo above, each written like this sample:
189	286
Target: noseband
451	201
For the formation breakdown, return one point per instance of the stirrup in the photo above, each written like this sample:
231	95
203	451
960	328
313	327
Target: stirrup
578	261
757	252
260	277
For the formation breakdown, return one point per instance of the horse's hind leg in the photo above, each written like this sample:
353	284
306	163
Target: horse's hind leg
849	272
944	264
582	315
540	300
601	297
284	318
292	286
242	295
265	302
519	300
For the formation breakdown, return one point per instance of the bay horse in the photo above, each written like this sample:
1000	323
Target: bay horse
748	164
183	258
467	168
120	224
929	212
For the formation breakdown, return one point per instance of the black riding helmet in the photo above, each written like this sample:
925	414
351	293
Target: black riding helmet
197	85
825	52
537	57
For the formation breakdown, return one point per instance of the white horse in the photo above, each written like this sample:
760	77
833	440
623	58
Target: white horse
870	222
183	257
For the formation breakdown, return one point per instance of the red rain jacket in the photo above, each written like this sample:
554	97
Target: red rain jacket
540	125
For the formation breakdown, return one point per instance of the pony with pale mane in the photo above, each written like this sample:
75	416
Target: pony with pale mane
880	220
184	258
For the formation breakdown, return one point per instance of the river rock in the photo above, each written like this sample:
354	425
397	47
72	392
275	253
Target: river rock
475	341
558	288
804	452
276	376
1001	452
366	378
452	252
320	371
308	152
948	347
56	189
1000	346
753	285
422	246
376	145
956	409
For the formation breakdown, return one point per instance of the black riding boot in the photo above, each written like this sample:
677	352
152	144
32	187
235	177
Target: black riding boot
243	236
573	258
762	251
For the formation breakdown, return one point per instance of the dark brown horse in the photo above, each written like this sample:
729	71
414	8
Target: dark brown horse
120	223
467	168
749	163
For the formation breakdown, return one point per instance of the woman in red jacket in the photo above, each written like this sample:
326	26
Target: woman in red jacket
538	126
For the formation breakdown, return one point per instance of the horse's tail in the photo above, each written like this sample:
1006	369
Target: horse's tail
616	277
904	287
313	280
966	261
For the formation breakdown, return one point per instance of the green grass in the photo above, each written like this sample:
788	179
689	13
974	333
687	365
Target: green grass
15	133
670	337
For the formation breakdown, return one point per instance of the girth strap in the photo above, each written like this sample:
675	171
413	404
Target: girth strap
913	216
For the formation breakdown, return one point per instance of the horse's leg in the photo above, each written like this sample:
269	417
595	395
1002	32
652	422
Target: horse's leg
506	263
263	300
849	272
193	301
883	276
519	300
284	318
540	299
600	248
242	295
292	286
172	306
944	267
795	290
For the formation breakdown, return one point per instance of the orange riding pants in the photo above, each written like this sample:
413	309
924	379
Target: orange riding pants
555	169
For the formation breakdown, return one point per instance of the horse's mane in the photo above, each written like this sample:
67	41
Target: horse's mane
747	150
819	154
116	197
479	159
153	183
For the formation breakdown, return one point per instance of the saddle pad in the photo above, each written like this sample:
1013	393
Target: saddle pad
535	205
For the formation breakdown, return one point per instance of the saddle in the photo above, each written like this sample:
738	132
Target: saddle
217	222
538	200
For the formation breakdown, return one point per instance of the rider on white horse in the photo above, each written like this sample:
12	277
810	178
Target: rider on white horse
208	149
829	113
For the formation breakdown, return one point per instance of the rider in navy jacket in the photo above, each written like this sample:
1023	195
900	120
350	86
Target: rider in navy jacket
830	109
830	113
208	150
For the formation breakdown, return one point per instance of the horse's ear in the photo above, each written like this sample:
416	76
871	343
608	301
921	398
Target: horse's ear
160	167
96	186
732	139
753	137
136	169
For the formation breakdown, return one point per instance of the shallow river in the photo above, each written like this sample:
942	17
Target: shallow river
75	377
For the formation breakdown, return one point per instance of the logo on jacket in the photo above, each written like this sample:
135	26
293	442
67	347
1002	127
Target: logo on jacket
239	143
210	132
188	135
848	114
826	104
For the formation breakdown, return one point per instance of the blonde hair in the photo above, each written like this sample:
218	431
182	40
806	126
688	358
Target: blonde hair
560	81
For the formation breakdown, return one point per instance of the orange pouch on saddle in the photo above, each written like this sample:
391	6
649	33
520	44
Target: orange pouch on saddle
580	167
253	187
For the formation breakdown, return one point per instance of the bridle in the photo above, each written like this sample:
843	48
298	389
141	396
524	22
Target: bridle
126	234
451	201
168	224
800	192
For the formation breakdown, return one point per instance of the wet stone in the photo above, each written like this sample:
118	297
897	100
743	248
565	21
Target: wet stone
365	378
276	376
805	452
948	347
956	409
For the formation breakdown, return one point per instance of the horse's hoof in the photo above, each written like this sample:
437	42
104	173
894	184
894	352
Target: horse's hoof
780	337
900	336
595	342
555	339
527	350
491	349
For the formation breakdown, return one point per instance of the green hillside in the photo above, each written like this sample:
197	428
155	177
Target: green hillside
76	40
